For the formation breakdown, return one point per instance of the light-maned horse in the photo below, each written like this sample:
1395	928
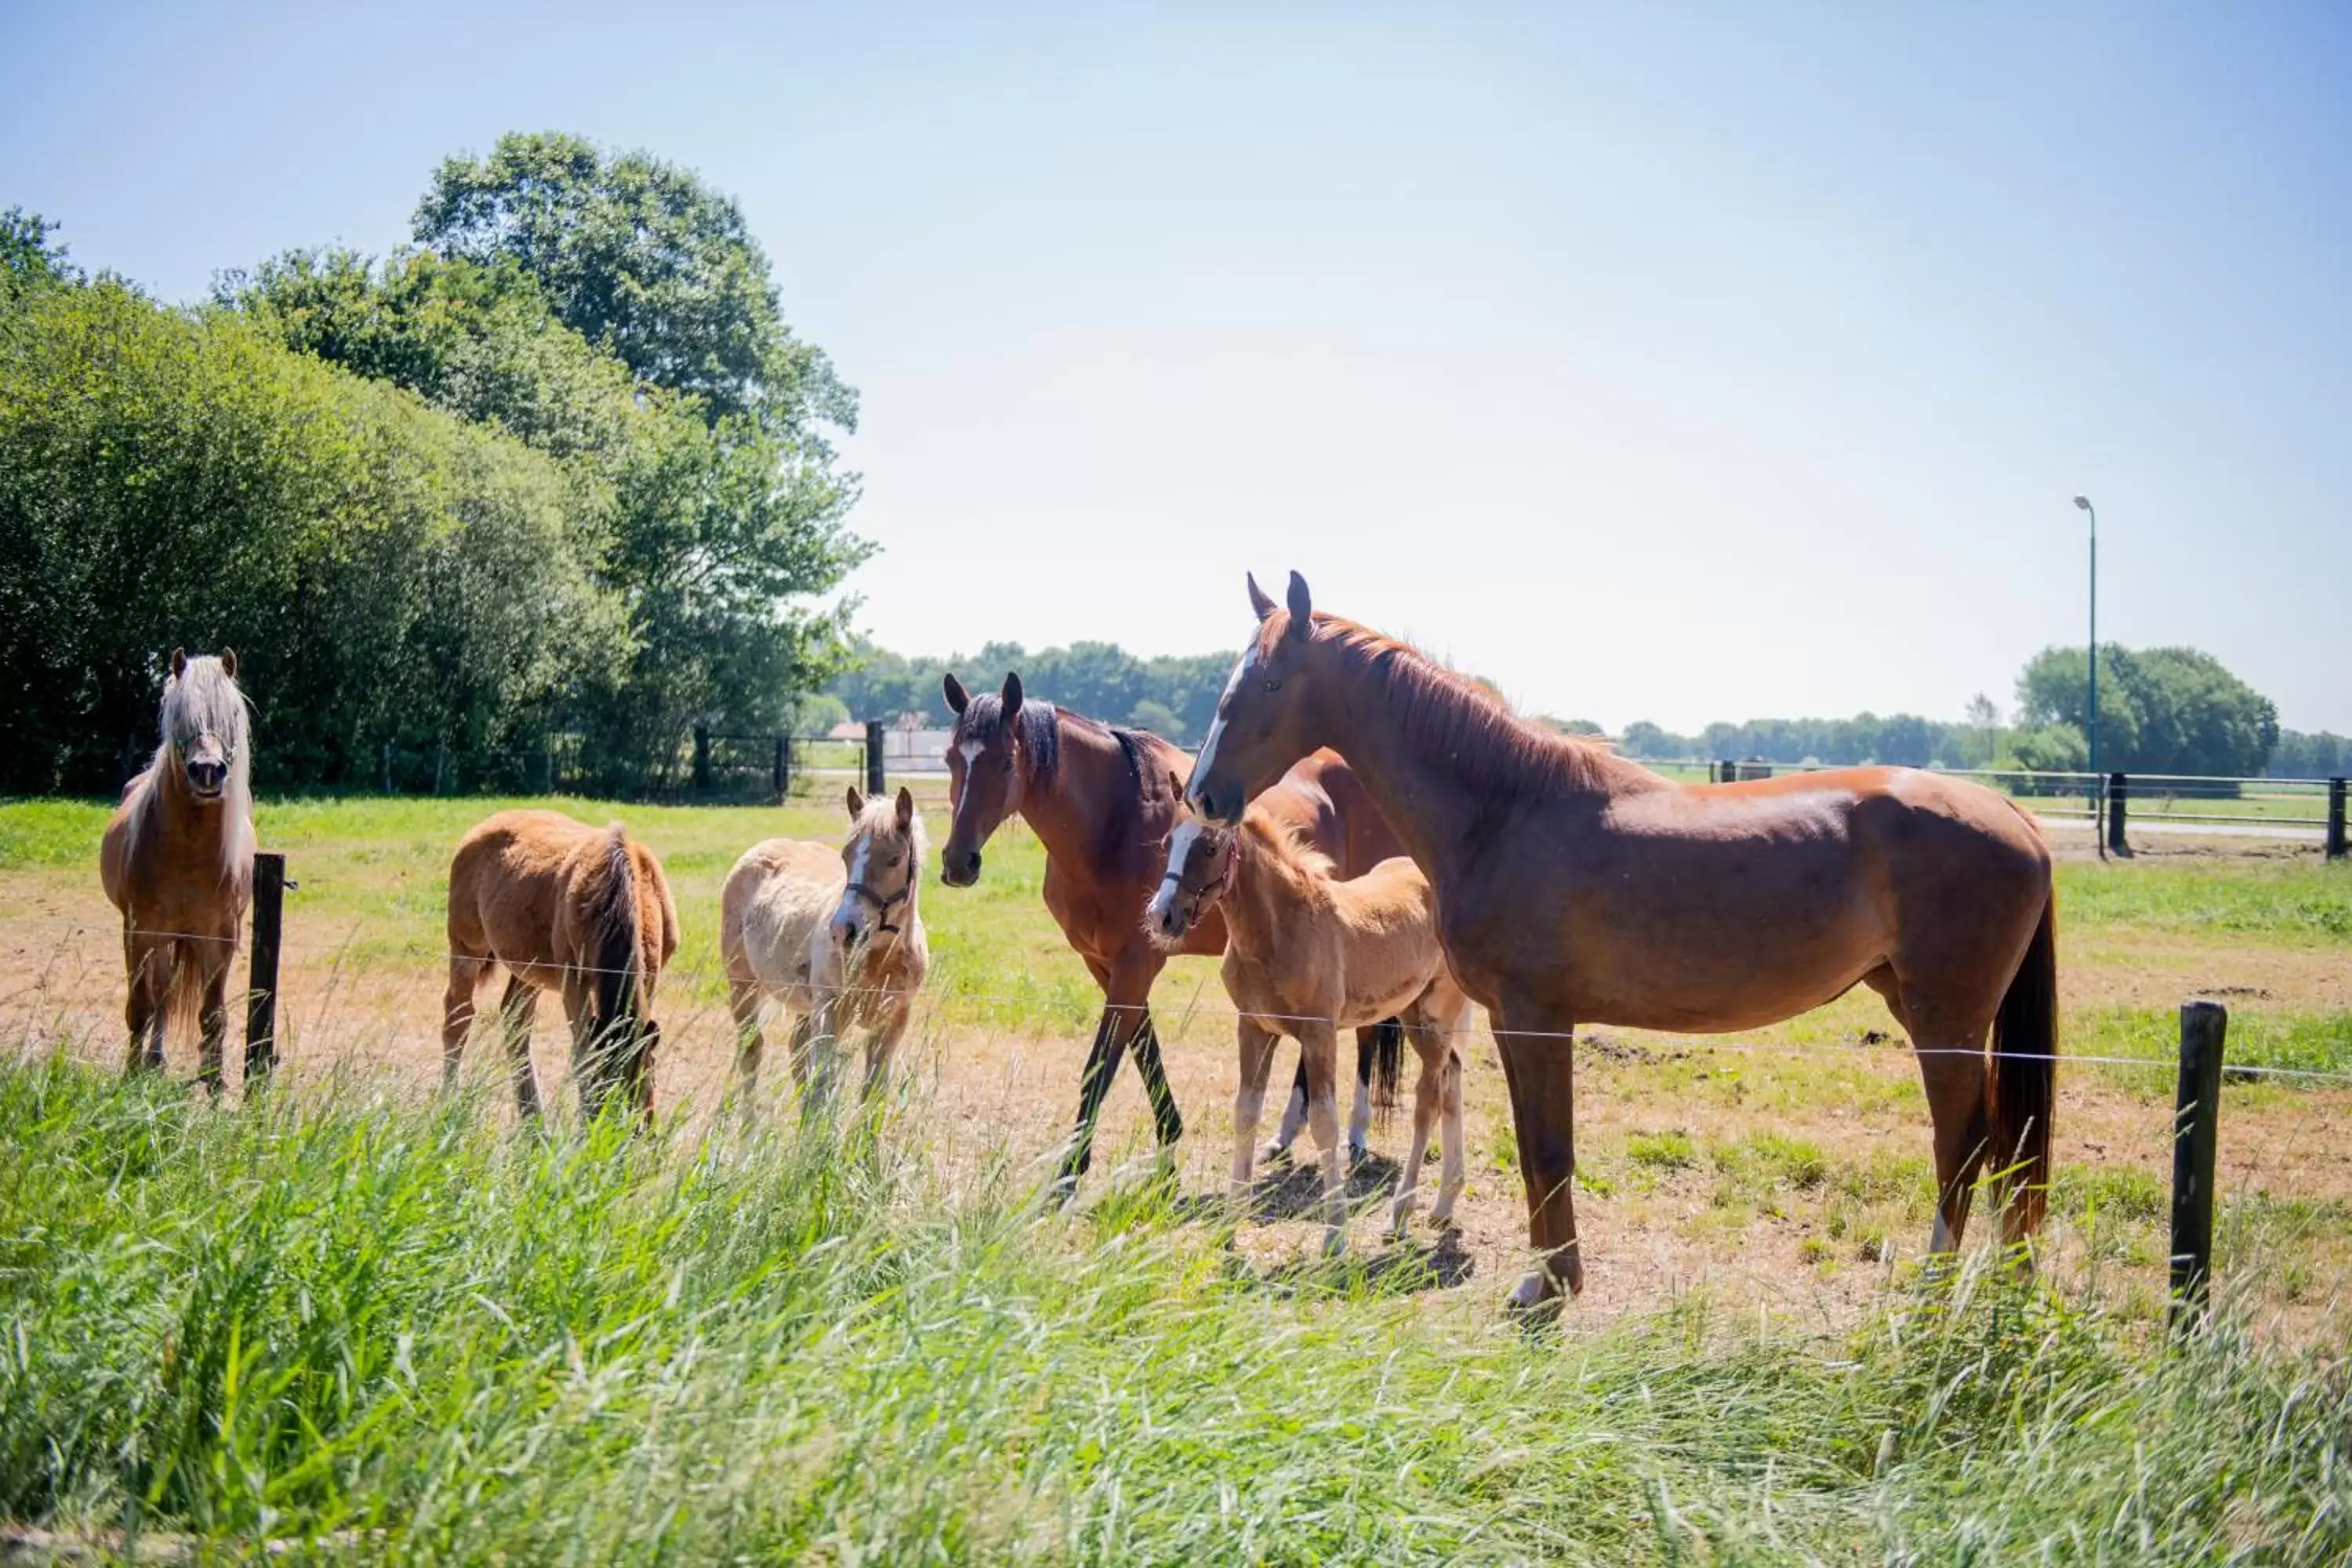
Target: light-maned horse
1307	955
833	934
582	912
177	862
1099	800
1576	887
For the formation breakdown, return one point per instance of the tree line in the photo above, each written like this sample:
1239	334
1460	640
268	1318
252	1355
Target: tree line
2161	710
560	468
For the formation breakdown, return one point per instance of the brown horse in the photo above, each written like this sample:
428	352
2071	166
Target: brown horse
835	934
177	861
1576	887
1099	800
1307	955
567	908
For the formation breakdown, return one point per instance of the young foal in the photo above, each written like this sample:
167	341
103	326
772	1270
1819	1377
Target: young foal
177	861
1307	955
834	934
566	907
1575	887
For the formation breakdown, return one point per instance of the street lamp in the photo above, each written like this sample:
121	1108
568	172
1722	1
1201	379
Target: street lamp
2097	780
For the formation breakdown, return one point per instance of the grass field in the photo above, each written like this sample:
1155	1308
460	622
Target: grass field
380	1323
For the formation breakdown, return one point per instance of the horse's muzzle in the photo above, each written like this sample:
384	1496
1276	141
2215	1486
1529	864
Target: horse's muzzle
959	871
206	779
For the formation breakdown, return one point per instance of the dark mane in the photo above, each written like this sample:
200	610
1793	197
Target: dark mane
1445	714
983	719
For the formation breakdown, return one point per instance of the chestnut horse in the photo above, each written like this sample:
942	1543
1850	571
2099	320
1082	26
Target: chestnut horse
177	861
1576	887
1099	800
567	908
1307	955
835	934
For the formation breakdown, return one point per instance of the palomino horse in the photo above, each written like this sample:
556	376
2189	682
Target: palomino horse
1099	800
834	933
1576	887
1307	955
564	907
177	861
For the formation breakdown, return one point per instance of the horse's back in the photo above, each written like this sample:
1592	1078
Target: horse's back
780	891
508	877
1321	795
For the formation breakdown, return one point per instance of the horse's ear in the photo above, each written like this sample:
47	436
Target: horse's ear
179	662
1259	604
1011	695
906	809
229	662
1302	608
958	698
856	804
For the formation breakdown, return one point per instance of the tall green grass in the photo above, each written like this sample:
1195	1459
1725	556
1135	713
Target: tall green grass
401	1333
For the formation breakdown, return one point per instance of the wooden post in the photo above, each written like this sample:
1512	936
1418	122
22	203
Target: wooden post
874	785
549	769
1726	771
2336	849
2196	1135
2118	791
387	767
261	990
702	759
783	771
440	761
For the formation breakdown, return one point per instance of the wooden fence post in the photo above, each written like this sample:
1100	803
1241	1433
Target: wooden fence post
261	990
387	767
1726	771
2118	791
874	781
783	770
2195	1136
702	759
2336	847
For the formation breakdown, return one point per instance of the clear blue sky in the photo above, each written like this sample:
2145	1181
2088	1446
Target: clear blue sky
1677	363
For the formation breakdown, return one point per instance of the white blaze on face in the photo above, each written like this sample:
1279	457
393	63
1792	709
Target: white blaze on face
1208	756
845	914
971	750
1179	849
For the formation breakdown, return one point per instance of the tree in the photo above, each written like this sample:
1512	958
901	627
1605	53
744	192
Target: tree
642	258
1154	715
25	253
2161	710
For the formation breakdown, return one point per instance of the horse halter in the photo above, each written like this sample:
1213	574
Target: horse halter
1211	890
882	906
184	739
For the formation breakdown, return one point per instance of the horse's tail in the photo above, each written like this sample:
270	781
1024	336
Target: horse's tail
618	953
2025	1073
1387	1061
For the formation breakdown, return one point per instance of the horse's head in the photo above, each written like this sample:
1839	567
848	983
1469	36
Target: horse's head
1201	855
884	856
996	747
1266	719
204	721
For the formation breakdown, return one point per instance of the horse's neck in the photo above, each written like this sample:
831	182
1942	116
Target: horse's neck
1266	901
1071	809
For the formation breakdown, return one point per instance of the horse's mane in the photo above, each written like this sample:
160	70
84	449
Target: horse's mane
1290	847
1443	713
202	698
881	816
983	719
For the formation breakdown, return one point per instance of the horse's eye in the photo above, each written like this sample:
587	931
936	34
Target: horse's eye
1008	764
1273	686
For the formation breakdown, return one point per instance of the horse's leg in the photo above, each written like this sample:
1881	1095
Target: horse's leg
1452	1172
211	1015
1294	1117
1257	1043
465	973
588	1067
743	1000
518	1009
1359	1122
1428	1093
882	1045
1952	1071
149	964
797	1047
1540	1068
1126	1017
1319	1043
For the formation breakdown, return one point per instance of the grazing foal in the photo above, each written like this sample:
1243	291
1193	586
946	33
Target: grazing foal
177	861
834	934
564	907
1307	955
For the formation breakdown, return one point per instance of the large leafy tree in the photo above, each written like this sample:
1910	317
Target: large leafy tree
2161	710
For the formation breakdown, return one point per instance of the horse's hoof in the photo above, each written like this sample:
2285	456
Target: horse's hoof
1358	1151
1274	1154
1335	1242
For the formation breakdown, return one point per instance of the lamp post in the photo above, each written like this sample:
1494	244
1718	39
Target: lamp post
2097	779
